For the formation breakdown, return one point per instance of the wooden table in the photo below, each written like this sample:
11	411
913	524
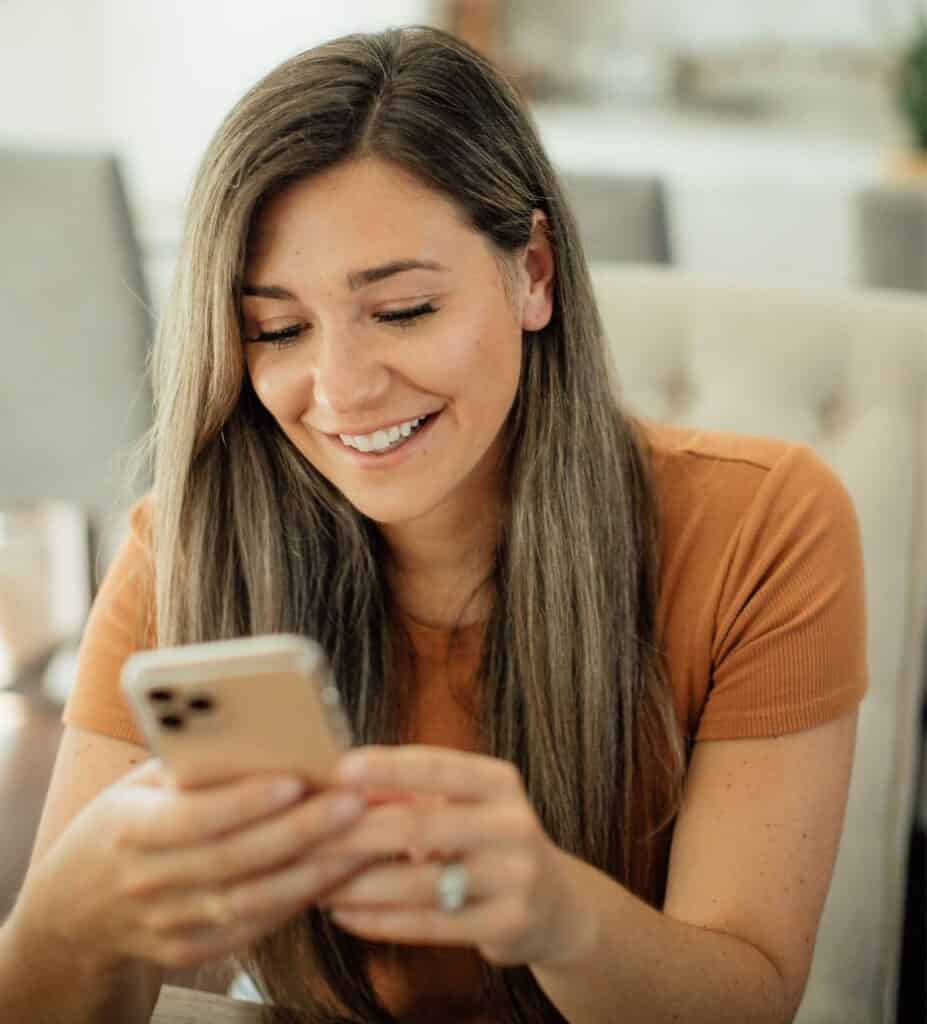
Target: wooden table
184	1006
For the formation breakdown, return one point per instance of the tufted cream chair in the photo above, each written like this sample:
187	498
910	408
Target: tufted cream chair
847	373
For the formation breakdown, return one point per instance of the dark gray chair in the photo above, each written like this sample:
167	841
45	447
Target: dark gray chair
74	396
892	226
76	328
622	218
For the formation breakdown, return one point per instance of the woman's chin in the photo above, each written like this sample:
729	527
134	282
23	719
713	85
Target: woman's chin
386	512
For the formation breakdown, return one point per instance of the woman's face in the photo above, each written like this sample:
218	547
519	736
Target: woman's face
379	335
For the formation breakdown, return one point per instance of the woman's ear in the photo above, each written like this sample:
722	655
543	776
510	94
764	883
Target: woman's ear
537	263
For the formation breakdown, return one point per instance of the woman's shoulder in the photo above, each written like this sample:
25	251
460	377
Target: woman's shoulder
730	503
122	620
682	448
761	582
729	474
140	519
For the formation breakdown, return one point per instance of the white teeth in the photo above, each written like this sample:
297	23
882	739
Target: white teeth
380	440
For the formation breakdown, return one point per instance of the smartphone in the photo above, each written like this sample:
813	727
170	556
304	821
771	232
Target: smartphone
218	711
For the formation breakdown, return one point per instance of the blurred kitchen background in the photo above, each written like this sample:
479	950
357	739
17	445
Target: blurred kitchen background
767	140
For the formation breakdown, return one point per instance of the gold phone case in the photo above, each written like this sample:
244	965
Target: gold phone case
222	710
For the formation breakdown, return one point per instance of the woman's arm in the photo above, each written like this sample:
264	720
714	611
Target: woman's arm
33	974
752	858
148	874
37	985
656	968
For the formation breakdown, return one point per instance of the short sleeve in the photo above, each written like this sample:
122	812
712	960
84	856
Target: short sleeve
789	647
120	622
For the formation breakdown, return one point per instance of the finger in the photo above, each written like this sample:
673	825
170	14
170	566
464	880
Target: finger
397	884
450	829
195	946
285	892
484	923
254	849
169	817
458	774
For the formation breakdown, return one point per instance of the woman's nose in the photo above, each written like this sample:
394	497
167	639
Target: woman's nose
345	376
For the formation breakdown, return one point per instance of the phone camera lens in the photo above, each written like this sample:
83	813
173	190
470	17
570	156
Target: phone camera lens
172	721
161	696
201	704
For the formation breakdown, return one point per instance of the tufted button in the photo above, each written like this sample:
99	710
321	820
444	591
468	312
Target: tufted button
680	390
832	414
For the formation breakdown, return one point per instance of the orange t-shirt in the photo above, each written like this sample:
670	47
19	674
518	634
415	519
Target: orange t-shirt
761	618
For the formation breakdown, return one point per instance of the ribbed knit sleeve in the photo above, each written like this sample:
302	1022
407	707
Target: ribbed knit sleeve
120	623
789	644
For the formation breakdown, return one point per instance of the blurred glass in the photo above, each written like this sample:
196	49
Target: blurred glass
44	582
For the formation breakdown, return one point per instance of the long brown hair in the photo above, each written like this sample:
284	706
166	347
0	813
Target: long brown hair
250	538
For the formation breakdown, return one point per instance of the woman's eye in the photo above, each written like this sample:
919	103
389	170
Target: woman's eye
406	317
283	336
397	317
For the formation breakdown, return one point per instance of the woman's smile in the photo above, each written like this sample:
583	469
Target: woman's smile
387	447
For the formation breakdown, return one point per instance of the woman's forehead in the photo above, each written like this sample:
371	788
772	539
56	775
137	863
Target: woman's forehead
354	217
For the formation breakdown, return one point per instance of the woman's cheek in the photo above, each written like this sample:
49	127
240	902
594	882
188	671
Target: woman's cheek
280	388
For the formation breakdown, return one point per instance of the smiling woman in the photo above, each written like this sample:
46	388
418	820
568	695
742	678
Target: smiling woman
570	643
431	339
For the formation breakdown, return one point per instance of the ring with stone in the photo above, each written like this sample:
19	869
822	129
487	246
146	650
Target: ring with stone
452	887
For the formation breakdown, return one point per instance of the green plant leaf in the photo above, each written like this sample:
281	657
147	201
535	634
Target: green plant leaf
911	88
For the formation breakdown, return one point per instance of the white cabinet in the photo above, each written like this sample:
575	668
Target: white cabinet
771	203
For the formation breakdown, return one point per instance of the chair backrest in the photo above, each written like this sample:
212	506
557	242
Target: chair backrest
621	218
892	230
73	392
847	373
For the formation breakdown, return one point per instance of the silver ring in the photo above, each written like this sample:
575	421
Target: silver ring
452	887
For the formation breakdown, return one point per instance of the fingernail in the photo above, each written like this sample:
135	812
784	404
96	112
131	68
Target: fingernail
284	791
345	808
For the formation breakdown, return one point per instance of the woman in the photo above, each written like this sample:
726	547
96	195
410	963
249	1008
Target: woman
626	659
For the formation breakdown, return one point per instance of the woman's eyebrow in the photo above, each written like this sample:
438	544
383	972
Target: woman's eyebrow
356	278
267	291
360	278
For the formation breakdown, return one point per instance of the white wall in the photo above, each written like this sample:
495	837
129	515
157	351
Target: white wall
153	78
51	87
173	68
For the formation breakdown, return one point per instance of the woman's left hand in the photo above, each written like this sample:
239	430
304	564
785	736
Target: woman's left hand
519	902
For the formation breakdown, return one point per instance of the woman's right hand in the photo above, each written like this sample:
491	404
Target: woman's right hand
178	877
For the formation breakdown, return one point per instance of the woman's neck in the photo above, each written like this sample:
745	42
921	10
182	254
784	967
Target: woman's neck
438	565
